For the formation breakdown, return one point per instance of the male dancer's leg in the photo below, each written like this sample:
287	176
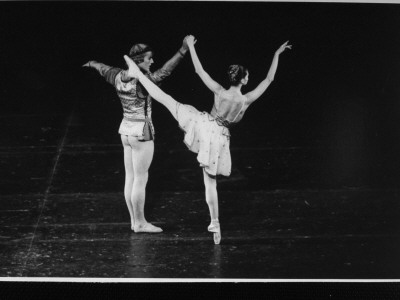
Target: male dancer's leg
142	156
128	176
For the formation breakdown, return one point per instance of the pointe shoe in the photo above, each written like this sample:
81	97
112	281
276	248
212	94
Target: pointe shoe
215	228
147	228
217	237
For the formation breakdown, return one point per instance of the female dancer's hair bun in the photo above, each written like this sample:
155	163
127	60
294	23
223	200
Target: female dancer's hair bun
236	73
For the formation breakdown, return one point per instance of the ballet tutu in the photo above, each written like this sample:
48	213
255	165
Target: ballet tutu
204	136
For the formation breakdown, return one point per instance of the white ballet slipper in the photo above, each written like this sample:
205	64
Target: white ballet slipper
147	228
217	237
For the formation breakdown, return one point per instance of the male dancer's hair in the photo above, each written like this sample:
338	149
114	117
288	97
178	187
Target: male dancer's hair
138	51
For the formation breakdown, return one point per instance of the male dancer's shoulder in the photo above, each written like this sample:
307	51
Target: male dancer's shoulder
111	75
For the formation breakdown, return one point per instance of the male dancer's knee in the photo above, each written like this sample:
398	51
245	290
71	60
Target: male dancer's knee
141	179
129	176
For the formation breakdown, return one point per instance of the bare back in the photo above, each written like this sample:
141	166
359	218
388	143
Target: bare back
229	105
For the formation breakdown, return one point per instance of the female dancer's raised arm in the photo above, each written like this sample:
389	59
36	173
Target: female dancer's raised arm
260	89
208	81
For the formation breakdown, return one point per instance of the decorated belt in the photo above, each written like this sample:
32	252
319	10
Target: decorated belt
147	133
146	120
222	122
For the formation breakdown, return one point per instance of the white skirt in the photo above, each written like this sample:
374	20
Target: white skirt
204	136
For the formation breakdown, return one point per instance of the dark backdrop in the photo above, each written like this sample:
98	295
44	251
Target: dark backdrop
338	88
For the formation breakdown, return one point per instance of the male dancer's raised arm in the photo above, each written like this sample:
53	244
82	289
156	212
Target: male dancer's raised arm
171	64
134	72
104	70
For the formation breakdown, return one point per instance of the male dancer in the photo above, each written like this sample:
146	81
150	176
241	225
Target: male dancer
136	129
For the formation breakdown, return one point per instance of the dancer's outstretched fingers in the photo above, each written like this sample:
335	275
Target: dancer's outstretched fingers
283	47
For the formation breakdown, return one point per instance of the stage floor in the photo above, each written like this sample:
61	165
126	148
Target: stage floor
286	212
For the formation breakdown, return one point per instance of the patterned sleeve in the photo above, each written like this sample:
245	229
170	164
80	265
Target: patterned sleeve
167	68
111	74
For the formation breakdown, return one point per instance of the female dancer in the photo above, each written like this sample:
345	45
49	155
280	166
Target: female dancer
208	134
136	129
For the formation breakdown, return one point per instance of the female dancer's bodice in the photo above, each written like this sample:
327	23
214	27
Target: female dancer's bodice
228	109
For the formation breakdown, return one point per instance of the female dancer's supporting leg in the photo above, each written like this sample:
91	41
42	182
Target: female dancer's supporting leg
210	184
